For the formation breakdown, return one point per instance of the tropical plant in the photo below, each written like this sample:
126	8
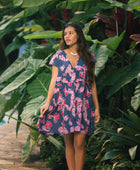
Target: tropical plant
27	78
125	142
25	69
53	158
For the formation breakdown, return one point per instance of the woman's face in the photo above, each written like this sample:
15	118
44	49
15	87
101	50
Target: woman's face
70	36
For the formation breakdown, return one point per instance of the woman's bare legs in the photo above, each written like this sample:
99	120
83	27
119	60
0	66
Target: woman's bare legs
75	150
70	153
79	145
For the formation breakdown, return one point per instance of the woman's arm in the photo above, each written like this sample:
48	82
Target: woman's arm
51	90
96	103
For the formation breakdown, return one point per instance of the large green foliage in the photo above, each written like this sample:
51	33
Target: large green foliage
125	142
29	76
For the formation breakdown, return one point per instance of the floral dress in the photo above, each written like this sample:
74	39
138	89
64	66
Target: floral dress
71	109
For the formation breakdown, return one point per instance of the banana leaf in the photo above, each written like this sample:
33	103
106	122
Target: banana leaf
24	76
124	75
103	50
13	69
32	108
40	85
44	34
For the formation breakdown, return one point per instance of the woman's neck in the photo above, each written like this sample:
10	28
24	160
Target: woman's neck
73	48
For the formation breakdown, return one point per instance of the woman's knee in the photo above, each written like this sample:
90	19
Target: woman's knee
79	141
69	140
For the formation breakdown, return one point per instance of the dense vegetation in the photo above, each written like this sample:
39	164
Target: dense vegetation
112	31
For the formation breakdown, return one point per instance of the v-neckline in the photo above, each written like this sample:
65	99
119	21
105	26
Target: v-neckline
69	60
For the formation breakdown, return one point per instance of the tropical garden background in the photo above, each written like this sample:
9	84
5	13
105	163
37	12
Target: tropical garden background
30	32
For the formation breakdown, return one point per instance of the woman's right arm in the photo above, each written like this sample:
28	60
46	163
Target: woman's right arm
51	90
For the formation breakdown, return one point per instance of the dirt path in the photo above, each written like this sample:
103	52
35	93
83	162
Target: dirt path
11	147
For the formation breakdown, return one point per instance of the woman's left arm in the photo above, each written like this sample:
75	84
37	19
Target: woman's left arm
96	103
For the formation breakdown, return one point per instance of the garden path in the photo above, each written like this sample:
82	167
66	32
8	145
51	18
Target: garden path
11	147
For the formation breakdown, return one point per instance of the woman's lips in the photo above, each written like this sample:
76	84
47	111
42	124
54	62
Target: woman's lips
68	40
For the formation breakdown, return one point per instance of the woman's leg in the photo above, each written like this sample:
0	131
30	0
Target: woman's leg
79	144
70	153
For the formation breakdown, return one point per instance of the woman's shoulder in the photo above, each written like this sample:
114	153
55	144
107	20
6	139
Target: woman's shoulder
59	52
60	56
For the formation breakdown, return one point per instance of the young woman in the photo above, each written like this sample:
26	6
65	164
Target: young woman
71	107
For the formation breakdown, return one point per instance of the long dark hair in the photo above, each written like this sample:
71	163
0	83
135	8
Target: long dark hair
83	50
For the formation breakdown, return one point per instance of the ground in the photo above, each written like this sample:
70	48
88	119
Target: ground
11	148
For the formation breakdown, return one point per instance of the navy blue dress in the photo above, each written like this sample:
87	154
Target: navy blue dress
71	109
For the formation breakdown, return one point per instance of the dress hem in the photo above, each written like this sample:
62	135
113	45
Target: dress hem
52	134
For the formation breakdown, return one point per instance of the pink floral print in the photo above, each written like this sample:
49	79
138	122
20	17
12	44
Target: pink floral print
71	109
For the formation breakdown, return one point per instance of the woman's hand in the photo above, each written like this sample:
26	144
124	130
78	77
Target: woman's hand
44	108
97	116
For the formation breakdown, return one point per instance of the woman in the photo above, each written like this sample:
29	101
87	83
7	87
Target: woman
69	108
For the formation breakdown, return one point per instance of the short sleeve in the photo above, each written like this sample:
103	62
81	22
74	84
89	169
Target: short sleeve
93	58
55	60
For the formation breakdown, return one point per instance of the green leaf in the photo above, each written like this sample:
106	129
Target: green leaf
24	76
49	34
103	50
13	69
88	38
7	20
55	142
119	5
44	34
34	3
43	63
135	119
30	11
34	134
112	154
32	108
135	100
19	15
90	13
88	25
16	44
33	28
20	62
129	140
18	124
123	140
124	75
17	2
128	126
13	100
2	106
18	120
101	55
40	85
29	49
28	147
123	121
112	43
43	52
134	4
132	152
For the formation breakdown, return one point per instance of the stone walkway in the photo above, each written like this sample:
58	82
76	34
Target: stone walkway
11	148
